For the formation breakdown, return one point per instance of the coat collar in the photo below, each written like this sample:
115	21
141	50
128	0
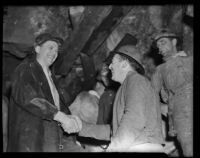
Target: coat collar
41	78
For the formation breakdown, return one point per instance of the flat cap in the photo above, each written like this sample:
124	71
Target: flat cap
42	38
164	34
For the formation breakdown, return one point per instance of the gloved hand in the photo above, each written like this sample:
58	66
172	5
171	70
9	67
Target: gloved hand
75	122
70	123
169	147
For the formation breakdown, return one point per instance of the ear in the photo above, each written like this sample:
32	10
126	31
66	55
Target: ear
124	64
174	41
37	49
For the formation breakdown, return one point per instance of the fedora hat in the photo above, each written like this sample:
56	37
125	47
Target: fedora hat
132	53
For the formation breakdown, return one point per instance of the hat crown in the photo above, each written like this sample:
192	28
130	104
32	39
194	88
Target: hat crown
42	38
131	51
164	34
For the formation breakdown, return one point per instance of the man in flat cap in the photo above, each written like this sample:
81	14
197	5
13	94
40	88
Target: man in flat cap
37	108
173	80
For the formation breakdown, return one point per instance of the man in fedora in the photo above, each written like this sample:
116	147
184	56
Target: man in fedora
136	124
174	81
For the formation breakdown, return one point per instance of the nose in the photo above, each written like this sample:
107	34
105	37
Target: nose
110	66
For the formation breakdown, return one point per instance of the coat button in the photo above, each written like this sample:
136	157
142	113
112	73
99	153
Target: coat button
60	146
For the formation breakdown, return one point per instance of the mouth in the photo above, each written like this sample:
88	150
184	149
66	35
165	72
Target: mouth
111	71
162	53
51	57
51	60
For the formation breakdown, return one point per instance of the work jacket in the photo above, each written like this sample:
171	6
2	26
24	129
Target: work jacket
174	81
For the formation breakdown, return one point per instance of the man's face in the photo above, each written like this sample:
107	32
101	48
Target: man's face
165	46
115	68
48	52
104	74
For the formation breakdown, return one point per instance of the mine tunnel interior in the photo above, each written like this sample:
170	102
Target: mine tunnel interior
90	33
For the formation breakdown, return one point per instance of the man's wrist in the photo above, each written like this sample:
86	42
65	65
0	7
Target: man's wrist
59	116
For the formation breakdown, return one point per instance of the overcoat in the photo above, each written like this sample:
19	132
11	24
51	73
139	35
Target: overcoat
31	112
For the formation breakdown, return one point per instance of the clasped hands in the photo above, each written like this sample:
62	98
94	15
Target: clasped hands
69	123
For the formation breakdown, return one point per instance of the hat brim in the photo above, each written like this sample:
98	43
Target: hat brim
108	61
58	40
166	37
154	44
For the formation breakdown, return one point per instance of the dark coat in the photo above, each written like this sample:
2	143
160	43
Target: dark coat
106	107
31	124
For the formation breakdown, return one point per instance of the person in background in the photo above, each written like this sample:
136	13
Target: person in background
86	107
107	98
86	104
173	80
37	109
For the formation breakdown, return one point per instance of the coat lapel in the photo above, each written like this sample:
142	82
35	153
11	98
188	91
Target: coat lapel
41	78
39	74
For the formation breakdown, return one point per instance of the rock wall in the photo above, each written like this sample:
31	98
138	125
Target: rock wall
23	23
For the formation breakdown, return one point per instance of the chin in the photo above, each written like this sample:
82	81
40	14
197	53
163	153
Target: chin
112	78
51	62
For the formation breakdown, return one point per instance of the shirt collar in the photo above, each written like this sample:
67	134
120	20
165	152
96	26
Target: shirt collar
180	53
92	92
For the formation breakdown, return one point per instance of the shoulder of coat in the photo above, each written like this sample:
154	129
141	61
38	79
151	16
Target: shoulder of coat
136	78
161	66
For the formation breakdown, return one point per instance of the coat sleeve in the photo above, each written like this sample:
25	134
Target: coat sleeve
133	120
27	95
101	132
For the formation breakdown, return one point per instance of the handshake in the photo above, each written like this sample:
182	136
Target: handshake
69	123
